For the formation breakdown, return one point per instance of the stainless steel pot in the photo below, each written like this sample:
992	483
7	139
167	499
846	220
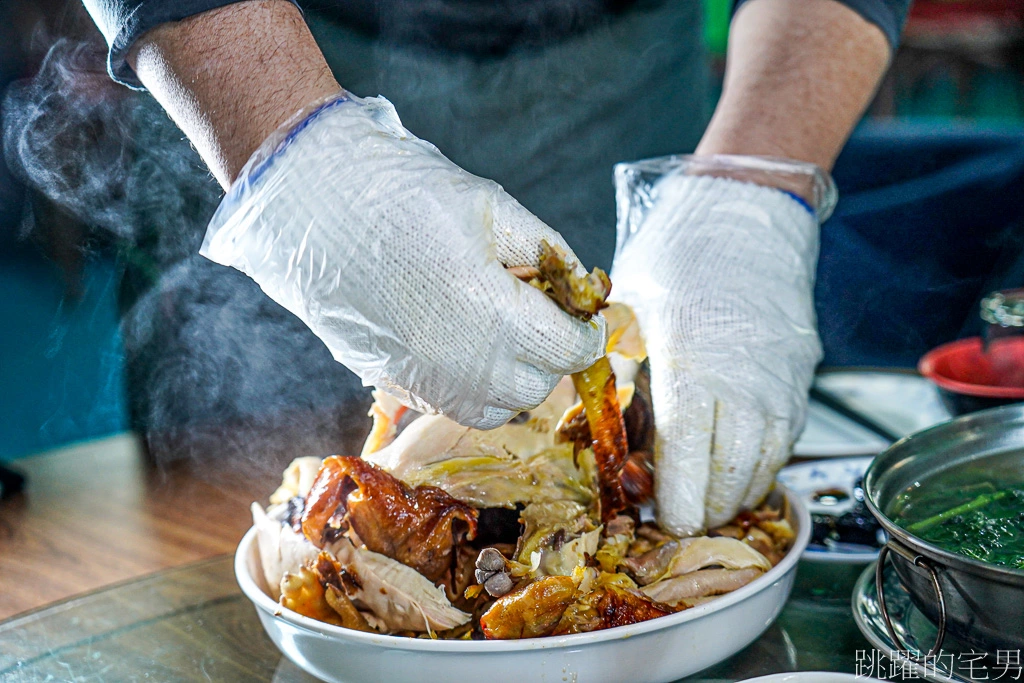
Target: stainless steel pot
979	603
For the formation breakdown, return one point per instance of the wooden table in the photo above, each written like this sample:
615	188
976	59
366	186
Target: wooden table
99	513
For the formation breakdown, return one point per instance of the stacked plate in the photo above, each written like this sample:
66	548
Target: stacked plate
899	402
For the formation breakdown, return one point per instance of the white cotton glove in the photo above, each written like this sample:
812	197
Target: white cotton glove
395	257
720	273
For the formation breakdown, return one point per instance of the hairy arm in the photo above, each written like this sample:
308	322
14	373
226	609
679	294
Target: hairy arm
230	76
799	75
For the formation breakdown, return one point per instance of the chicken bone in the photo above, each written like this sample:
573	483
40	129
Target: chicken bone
531	611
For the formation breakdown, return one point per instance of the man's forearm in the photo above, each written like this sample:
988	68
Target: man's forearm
229	77
799	75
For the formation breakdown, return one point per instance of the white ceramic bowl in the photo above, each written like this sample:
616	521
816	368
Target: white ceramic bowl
663	649
810	677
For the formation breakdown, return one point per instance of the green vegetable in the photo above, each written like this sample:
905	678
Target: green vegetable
979	502
975	510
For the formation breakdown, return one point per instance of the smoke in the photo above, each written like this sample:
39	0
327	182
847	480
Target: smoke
215	369
52	119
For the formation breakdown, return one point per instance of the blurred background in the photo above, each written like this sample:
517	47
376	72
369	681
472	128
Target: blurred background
942	148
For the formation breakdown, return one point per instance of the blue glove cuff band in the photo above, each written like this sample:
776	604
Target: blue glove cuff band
802	202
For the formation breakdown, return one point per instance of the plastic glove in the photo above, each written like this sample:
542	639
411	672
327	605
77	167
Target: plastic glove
395	257
720	273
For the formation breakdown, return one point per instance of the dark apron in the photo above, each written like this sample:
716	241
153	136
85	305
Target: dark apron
548	123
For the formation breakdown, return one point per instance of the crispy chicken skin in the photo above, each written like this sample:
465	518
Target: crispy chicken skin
531	611
606	607
596	387
583	296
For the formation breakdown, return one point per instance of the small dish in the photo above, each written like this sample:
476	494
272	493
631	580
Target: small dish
971	377
827	488
955	663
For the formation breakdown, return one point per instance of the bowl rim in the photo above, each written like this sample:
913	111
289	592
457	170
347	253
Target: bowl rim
264	603
801	676
905	537
827	557
926	366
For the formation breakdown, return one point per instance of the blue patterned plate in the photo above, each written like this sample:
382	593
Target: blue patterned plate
827	488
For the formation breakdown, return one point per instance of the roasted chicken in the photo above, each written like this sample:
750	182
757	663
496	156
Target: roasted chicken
524	531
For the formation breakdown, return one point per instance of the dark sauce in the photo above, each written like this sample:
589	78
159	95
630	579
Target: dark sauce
857	526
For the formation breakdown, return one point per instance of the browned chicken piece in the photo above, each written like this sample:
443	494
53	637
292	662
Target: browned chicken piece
606	607
303	593
638	477
580	296
583	297
531	611
419	526
337	583
596	387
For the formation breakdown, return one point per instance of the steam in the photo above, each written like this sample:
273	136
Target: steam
65	124
215	369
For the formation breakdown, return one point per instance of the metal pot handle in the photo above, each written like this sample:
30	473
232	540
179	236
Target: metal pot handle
919	561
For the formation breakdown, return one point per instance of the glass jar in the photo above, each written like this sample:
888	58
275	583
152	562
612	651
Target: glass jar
1003	313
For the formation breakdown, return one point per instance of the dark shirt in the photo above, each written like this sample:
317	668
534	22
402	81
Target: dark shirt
477	27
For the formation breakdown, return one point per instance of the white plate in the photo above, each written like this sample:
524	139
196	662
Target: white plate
902	402
810	677
806	478
663	649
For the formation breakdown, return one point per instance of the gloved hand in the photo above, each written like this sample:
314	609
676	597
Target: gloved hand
720	273
395	257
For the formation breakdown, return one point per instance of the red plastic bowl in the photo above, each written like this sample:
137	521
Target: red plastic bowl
970	378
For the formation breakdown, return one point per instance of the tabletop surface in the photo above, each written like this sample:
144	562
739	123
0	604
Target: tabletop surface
193	624
98	513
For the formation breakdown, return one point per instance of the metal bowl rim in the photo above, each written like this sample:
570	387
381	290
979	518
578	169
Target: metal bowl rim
962	563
